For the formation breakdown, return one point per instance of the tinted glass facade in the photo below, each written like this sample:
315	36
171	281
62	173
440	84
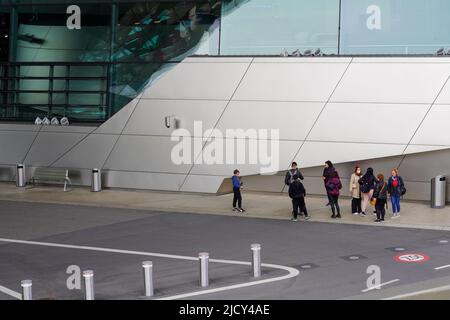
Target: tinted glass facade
51	67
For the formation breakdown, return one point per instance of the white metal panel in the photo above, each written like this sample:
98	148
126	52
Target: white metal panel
392	82
277	160
149	116
48	147
90	153
116	124
290	81
316	153
14	146
292	119
211	81
373	123
146	154
204	184
434	129
143	180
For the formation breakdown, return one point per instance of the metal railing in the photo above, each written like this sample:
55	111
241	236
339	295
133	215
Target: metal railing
28	89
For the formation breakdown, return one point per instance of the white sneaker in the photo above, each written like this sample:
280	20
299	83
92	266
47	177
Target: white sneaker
295	220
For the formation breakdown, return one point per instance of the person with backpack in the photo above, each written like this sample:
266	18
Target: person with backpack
289	178
297	193
355	191
367	186
396	189
237	186
328	171
380	197
334	186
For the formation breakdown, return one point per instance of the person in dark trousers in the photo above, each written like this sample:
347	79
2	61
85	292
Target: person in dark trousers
237	198
355	192
289	178
327	173
297	193
334	186
380	194
396	189
367	186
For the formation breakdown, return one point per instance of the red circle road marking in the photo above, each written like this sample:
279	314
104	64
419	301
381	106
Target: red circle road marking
411	258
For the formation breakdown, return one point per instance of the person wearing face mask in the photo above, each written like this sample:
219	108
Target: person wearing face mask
355	191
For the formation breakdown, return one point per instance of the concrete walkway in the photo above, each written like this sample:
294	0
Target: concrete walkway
258	205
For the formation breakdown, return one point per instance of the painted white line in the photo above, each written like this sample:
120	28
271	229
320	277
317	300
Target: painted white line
412	294
10	292
443	267
380	285
292	272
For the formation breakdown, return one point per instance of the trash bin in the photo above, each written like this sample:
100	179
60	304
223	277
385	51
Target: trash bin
438	192
20	176
96	185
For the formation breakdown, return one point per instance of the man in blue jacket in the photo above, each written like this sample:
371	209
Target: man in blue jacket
237	198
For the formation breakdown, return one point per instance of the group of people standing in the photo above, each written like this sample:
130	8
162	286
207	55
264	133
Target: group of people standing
367	189
364	189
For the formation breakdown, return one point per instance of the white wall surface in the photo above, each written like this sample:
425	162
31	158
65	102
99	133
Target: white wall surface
383	112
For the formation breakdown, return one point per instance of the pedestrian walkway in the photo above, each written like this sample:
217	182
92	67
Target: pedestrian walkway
258	205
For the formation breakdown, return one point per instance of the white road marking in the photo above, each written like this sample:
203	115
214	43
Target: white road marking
443	267
292	272
412	294
380	285
10	292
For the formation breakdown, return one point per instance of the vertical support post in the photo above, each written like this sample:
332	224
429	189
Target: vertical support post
256	260
203	258
88	276
27	289
147	267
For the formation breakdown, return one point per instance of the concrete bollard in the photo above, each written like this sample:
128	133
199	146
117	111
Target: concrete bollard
256	260
147	267
204	260
88	276
27	289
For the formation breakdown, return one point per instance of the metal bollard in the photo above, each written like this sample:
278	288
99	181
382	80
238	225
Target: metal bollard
20	176
204	260
88	276
256	261
148	278
27	289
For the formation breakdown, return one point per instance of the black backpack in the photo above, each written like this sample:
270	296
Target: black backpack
364	184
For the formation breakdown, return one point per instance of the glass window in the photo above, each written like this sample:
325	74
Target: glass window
265	27
43	34
394	26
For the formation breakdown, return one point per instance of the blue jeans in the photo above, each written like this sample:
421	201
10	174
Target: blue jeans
395	204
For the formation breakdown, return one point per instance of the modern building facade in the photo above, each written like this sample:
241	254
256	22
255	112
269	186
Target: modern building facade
375	93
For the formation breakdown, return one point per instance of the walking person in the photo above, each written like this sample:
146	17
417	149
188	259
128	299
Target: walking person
355	191
297	193
289	178
396	189
380	196
367	186
327	174
334	186
237	186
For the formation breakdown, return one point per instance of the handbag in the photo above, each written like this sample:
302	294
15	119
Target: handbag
373	201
